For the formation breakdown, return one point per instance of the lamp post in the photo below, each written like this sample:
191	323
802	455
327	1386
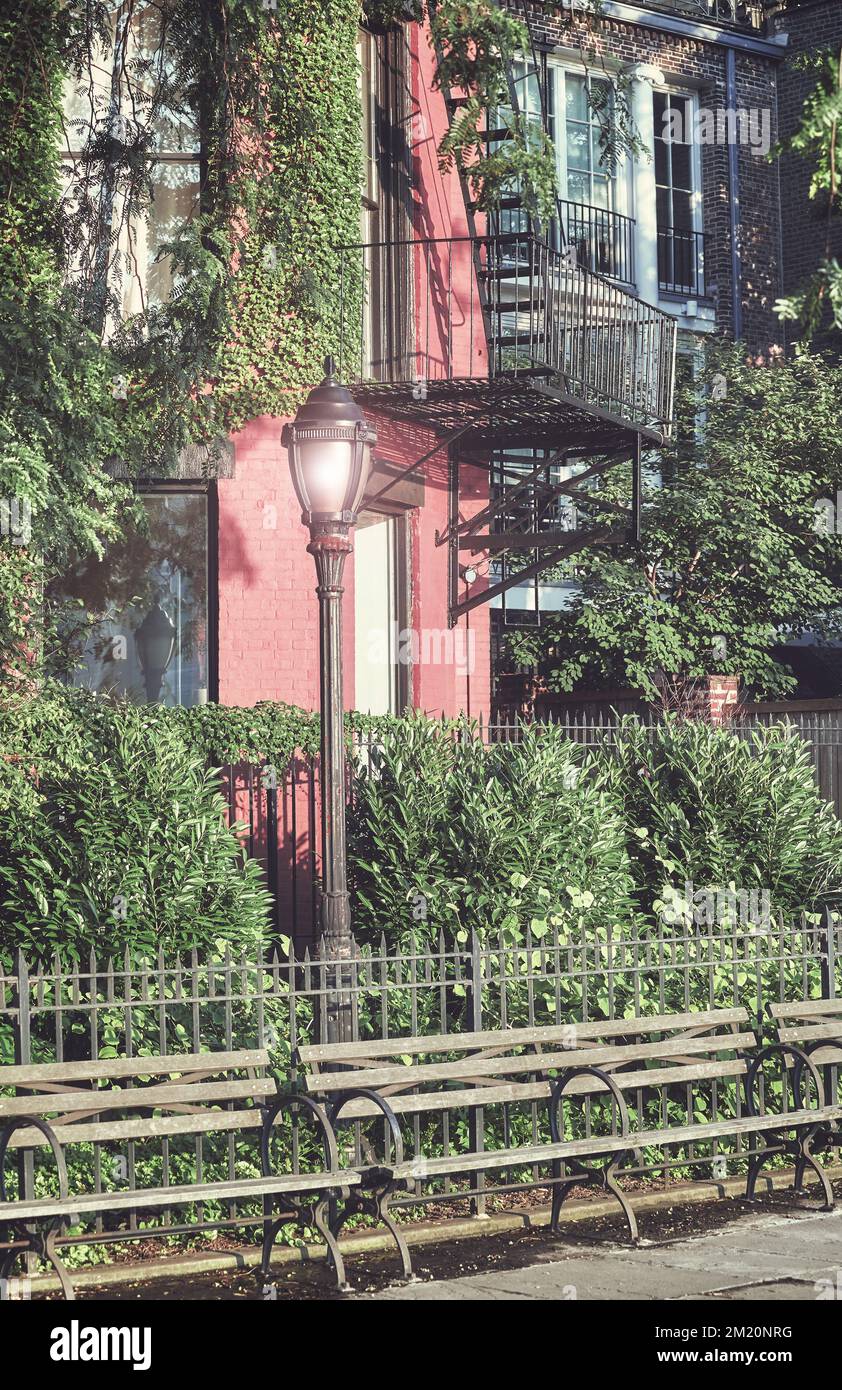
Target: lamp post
329	444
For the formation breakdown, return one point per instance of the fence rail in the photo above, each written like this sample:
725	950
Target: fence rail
422	986
602	238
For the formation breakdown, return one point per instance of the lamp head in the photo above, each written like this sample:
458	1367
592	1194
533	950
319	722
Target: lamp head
329	444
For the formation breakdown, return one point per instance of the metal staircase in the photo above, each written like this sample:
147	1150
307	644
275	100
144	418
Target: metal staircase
541	359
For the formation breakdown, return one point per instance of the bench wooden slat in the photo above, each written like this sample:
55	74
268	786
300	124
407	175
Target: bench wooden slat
530	1062
160	1127
812	1032
827	1056
574	1148
318	1053
153	1197
167	1064
516	1092
807	1008
133	1098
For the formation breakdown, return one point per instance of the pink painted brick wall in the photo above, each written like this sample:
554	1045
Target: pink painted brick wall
268	611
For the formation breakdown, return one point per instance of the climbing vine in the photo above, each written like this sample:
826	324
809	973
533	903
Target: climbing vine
96	100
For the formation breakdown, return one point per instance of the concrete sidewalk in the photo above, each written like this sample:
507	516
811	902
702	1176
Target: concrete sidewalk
795	1256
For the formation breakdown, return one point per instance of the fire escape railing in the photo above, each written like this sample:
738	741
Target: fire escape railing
503	307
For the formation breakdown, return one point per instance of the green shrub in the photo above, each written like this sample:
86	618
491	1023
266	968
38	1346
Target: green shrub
112	835
449	836
707	807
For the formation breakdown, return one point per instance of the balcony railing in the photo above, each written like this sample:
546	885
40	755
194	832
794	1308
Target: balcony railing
681	262
505	310
603	240
748	14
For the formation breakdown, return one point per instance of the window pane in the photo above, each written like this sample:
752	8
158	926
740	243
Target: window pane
682	176
575	98
601	191
175	200
146	604
578	188
682	210
662	167
578	152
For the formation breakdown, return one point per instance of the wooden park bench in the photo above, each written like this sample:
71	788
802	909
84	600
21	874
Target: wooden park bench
815	1027
404	1079
65	1103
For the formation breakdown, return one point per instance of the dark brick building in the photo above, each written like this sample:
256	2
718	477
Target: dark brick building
727	237
809	26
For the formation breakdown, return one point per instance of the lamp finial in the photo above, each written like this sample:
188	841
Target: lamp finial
330	368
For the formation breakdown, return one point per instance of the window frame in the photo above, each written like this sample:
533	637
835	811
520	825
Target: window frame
208	488
621	181
691	96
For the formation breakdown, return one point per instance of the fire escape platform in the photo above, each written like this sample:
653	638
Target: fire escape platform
518	410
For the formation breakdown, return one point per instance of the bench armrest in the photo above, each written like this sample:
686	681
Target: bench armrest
297	1100
32	1122
802	1060
362	1093
557	1093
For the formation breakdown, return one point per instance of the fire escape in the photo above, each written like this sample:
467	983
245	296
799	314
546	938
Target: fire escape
523	358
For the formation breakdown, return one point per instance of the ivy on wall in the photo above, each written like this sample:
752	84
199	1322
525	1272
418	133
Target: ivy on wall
253	306
59	421
305	203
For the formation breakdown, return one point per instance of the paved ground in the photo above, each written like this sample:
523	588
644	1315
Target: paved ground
792	1256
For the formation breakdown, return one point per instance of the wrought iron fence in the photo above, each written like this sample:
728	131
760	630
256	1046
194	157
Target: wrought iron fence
279	806
749	14
822	736
101	1009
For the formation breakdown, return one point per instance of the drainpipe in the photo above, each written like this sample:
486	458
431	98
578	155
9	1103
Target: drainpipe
734	197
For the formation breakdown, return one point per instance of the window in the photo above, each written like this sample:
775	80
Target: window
116	243
595	191
143	625
590	178
525	81
386	345
680	240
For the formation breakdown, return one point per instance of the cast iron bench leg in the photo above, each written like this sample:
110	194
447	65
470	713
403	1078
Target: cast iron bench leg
380	1184
321	1221
800	1146
42	1245
606	1176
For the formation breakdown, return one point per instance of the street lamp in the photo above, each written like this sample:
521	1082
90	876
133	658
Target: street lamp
329	444
155	643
